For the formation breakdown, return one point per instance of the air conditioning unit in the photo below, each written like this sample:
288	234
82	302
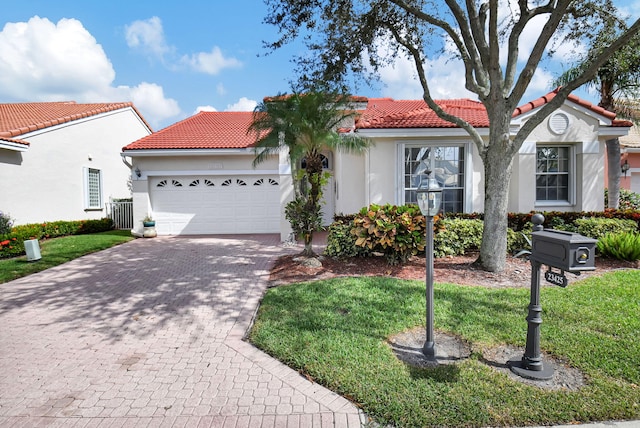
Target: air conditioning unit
32	248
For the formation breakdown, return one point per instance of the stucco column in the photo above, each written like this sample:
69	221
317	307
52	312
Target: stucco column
141	203
286	193
522	189
590	162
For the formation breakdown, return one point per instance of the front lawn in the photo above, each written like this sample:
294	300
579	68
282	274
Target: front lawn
61	250
335	331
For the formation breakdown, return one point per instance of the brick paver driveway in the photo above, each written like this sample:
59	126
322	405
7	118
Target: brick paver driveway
149	333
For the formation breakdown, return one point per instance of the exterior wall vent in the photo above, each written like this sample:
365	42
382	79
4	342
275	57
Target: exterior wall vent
559	123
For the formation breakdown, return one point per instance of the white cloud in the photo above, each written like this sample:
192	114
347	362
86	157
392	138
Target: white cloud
43	61
220	89
150	99
205	108
445	77
40	60
243	104
210	62
148	36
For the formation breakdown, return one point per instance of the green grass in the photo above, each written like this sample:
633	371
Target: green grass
335	331
61	250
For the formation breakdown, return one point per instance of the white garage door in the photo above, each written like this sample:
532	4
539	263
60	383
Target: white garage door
216	204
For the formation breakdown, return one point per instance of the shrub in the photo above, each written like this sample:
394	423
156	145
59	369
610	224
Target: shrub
303	219
6	222
94	226
341	242
396	231
13	243
596	228
628	200
457	236
621	246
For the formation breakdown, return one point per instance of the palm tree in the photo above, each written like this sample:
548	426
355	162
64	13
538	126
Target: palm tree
618	82
305	124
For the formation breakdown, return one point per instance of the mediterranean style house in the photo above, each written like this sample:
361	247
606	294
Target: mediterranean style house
60	160
196	176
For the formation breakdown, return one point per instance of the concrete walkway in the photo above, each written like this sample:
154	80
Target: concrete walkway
149	333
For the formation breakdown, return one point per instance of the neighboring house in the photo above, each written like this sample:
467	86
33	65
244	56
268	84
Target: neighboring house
630	160
60	160
196	176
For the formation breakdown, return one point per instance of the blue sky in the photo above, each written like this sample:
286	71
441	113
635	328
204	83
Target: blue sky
173	58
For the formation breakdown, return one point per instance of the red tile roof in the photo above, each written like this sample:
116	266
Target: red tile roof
384	113
352	98
575	99
205	130
228	130
20	118
14	141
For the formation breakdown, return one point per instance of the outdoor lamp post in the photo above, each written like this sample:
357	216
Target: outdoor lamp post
429	201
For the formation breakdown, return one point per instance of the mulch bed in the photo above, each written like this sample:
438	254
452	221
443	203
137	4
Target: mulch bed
458	270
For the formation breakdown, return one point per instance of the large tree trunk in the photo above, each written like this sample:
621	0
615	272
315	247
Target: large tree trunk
613	175
497	176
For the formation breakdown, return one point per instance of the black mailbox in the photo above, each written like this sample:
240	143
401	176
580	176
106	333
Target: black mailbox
567	251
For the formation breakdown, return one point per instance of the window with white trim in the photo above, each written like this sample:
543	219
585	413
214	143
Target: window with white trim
553	164
447	164
93	188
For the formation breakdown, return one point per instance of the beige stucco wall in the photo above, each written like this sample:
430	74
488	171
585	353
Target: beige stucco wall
381	169
374	178
588	155
46	183
349	176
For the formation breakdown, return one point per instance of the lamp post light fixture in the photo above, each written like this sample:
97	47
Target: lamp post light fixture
625	167
429	201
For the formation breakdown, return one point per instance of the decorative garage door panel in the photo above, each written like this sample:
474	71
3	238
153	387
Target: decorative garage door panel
216	204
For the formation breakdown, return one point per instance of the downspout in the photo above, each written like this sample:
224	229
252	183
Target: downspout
125	161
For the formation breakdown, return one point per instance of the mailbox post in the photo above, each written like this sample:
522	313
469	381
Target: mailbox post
565	251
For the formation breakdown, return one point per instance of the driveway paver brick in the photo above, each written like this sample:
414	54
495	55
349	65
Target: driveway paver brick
150	333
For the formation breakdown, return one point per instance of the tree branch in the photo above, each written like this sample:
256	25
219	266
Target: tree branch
585	75
476	80
415	53
556	15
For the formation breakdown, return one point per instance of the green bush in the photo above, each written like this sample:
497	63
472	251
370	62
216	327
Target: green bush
457	236
628	200
12	245
621	246
304	220
6	223
396	231
94	226
596	228
341	242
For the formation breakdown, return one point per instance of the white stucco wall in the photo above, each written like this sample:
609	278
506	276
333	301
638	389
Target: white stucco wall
46	183
349	175
376	178
584	135
587	150
198	163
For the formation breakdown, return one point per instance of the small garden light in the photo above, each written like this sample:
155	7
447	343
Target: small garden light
429	201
